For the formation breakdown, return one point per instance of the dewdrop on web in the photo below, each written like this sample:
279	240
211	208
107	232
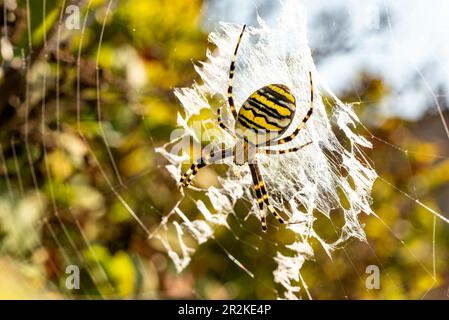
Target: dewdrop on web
302	169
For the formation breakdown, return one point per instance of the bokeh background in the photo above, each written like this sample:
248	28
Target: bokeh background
72	99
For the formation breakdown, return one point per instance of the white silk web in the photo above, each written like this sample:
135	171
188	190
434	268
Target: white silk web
332	174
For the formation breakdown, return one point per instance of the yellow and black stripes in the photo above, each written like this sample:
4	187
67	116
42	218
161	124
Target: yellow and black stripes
304	120
222	124
281	91
268	151
206	160
231	76
188	176
254	104
262	195
259	196
265	119
268	110
281	95
280	105
255	120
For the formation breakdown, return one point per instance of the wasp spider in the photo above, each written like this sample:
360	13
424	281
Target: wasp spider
259	124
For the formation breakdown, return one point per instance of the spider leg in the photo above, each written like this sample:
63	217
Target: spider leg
304	120
258	192
231	76
222	124
268	151
262	193
204	161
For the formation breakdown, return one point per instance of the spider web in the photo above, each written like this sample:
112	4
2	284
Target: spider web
304	185
326	176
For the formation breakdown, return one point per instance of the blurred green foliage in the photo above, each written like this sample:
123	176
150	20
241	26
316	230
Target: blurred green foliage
73	139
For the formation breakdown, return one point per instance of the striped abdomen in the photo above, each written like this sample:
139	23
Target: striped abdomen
266	114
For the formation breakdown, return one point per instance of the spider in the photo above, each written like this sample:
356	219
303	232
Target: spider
261	120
